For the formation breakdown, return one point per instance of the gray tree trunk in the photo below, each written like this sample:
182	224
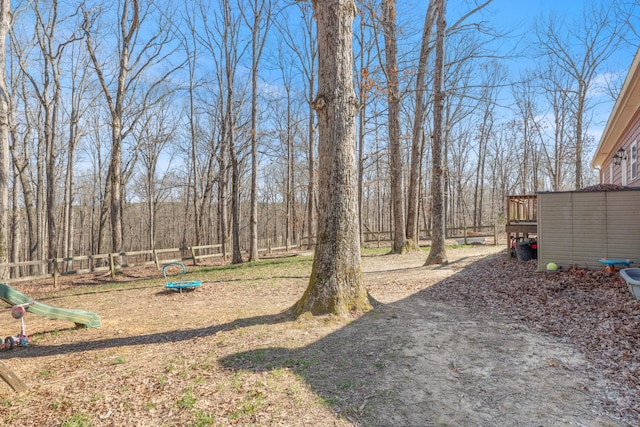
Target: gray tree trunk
336	285
418	140
400	244
438	252
5	171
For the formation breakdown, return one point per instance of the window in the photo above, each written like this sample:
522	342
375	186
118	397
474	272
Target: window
611	174
634	160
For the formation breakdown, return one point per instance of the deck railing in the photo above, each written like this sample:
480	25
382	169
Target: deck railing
522	209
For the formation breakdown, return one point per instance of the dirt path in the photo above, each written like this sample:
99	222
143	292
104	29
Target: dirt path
449	365
225	356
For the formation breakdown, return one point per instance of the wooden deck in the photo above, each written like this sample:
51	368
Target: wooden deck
522	217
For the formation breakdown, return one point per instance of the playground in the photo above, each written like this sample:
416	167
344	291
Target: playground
468	343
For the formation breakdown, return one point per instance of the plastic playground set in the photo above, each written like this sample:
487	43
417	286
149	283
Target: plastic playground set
20	304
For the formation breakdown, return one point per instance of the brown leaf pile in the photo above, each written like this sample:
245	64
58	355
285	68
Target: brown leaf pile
593	310
605	187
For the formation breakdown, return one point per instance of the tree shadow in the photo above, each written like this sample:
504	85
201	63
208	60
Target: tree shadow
414	362
420	362
175	336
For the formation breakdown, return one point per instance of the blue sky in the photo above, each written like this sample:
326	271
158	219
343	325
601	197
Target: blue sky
521	15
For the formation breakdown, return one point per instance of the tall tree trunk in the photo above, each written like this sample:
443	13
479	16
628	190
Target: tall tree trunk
400	244
261	16
336	285
5	171
253	209
438	252
235	205
311	188
417	136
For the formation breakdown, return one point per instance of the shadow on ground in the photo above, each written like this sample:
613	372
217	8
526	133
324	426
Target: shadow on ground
421	362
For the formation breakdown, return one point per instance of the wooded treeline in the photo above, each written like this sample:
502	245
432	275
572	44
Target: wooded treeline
141	124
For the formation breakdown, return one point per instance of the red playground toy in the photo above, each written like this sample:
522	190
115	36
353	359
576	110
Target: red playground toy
22	339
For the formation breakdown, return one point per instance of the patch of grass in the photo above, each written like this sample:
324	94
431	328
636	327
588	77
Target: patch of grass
258	355
119	360
60	404
77	420
46	373
328	401
35	339
297	364
203	419
293	390
205	366
188	399
253	401
237	380
345	384
278	373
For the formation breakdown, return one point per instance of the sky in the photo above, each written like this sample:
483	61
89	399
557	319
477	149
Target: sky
521	14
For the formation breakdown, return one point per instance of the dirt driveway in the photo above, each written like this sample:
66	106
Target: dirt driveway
225	355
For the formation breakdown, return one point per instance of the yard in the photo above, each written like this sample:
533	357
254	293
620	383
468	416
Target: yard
481	341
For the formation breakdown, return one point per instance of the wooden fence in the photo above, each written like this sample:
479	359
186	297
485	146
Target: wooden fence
113	262
463	235
116	261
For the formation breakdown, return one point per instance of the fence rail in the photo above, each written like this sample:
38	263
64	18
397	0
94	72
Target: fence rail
466	234
115	262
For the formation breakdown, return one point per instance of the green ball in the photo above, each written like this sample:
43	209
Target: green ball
552	266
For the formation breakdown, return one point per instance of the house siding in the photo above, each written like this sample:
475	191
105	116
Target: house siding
580	228
628	137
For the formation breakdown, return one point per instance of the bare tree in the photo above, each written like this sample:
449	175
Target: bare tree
5	170
80	102
580	50
303	45
157	129
136	53
438	252
21	156
259	24
336	284
418	134
493	75
400	244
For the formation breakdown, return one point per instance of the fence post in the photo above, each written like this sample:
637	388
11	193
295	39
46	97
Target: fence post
193	255
112	265
155	259
464	231
56	272
495	234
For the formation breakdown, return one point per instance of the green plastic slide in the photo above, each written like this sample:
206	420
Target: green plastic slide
79	317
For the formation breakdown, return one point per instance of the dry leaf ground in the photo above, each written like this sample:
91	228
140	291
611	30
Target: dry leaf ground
481	341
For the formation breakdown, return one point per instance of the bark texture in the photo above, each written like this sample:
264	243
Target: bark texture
336	285
5	20
438	252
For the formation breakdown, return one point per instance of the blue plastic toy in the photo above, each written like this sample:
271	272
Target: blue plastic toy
178	285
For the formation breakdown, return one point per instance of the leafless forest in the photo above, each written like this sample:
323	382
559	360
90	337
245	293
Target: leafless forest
140	124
